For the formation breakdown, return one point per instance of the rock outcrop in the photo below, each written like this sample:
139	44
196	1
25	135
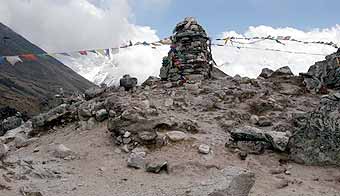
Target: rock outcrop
324	74
316	139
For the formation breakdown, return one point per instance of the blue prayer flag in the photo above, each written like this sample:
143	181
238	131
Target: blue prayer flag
2	60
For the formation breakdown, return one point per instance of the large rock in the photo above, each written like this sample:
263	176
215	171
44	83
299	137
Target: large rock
93	92
283	71
136	160
9	124
324	74
176	136
61	151
128	82
231	182
101	115
57	116
316	139
266	73
276	140
3	150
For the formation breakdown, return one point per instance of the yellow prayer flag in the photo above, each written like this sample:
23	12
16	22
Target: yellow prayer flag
102	52
226	40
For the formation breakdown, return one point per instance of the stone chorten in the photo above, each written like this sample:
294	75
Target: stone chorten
190	55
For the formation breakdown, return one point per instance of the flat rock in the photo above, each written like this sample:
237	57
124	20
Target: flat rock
277	140
231	182
157	167
3	150
101	115
266	73
204	149
176	136
283	71
136	160
61	151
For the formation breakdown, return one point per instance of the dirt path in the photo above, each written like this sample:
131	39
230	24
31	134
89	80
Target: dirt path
100	168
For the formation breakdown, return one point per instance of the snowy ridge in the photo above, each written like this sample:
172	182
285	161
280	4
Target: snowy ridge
143	61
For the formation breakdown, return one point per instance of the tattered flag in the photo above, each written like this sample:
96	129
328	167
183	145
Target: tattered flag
13	59
29	57
83	52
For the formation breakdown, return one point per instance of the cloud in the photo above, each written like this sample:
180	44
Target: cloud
143	61
67	25
250	62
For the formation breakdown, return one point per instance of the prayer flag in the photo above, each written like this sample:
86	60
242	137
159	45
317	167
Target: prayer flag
13	59
107	52
93	51
29	57
226	40
101	51
2	60
145	44
83	52
65	54
287	38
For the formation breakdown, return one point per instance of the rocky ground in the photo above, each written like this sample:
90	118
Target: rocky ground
227	136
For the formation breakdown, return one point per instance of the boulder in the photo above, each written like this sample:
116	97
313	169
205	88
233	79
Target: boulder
136	160
93	92
128	82
204	149
231	181
151	81
176	136
3	150
266	73
21	141
101	115
283	71
84	113
323	74
316	138
9	124
264	121
61	151
276	140
157	167
55	117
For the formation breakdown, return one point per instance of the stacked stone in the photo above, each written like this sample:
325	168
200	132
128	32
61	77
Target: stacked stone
190	56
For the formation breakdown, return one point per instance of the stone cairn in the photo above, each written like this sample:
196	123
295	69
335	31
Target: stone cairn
190	55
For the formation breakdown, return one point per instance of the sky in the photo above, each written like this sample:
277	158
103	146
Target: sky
73	25
225	15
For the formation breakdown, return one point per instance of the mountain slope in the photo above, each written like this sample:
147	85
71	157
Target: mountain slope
29	86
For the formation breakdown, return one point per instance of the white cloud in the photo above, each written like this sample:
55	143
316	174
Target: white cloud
249	62
143	61
67	25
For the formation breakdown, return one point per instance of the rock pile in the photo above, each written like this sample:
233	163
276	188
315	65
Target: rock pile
190	56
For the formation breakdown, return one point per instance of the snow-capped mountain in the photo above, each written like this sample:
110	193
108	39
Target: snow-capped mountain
143	61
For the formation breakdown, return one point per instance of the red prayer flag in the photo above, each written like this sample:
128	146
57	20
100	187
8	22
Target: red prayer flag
29	57
83	52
